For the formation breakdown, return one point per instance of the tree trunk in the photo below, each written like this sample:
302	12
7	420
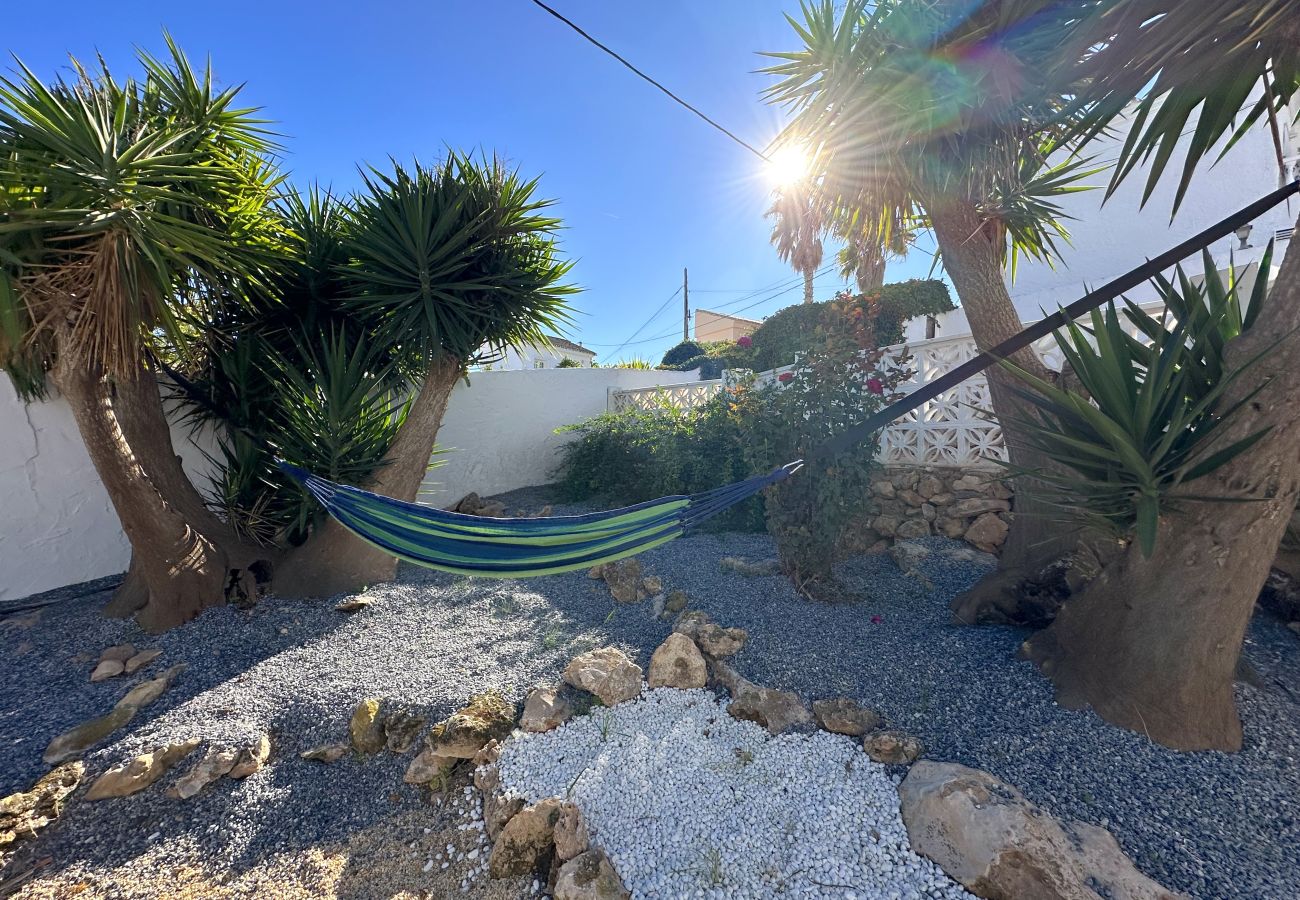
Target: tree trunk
1152	644
178	568
972	256
808	285
335	561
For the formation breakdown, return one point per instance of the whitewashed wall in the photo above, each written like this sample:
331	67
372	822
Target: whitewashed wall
57	526
500	428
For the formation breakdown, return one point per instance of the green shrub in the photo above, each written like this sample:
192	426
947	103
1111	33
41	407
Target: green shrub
568	363
681	353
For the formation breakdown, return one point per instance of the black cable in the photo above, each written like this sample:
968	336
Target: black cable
646	323
1062	317
646	77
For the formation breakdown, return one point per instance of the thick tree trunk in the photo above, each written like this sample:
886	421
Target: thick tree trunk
333	560
178	568
808	286
972	257
1152	644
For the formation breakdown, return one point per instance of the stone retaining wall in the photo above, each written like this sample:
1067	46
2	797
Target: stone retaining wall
912	501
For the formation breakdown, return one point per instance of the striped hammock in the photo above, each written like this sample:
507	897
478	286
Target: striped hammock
520	548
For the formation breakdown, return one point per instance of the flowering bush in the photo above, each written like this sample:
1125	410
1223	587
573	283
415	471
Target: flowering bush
744	341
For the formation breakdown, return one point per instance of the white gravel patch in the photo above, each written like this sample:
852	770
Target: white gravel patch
689	802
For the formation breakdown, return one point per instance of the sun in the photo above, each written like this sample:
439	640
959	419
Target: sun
787	165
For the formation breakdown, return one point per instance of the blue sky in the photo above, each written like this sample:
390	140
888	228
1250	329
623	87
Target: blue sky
643	186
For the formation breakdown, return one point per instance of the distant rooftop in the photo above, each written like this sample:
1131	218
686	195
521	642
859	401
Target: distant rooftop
560	343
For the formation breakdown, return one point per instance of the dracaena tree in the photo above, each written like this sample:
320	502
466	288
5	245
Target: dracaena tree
1153	643
345	365
942	115
126	205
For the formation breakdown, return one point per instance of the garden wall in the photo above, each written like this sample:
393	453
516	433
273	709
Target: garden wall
972	504
57	526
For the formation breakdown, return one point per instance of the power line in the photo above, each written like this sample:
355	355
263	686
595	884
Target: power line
575	27
647	322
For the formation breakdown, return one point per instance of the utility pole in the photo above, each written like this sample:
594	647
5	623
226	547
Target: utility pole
686	306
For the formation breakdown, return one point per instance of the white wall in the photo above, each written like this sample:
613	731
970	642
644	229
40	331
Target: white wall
57	526
501	427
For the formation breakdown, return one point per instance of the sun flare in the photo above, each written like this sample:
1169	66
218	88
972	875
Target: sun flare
787	165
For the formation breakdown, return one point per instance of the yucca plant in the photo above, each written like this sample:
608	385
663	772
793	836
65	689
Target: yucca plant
1148	416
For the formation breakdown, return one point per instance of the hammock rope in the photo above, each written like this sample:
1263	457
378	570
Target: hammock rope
525	547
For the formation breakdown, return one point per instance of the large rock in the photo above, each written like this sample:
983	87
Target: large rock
25	813
912	528
908	555
401	728
589	876
677	663
366	728
571	835
527	841
428	766
547	707
109	668
139	773
86	735
984	834
118	653
624	580
845	716
488	716
147	692
988	532
140	660
607	673
711	638
777	711
215	764
977	506
326	753
895	748
252	756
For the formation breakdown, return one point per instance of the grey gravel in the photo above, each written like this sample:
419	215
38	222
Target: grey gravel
1209	824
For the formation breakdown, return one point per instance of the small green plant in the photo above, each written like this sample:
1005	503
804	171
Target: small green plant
567	363
1147	418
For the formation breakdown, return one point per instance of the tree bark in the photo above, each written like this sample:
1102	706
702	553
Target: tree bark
179	567
335	561
972	251
808	285
1152	644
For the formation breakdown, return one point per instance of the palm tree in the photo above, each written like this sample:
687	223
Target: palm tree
1153	643
940	115
797	229
124	204
441	261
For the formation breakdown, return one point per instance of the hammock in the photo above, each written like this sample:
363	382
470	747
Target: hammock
524	547
517	548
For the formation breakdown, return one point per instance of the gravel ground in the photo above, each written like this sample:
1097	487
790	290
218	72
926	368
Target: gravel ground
1212	825
687	801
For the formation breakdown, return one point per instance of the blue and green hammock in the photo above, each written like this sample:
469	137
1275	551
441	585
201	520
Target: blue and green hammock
516	548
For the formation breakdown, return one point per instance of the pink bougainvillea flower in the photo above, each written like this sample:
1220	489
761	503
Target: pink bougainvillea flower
785	377
875	386
876	620
745	341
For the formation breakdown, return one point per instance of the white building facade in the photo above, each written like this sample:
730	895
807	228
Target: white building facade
547	355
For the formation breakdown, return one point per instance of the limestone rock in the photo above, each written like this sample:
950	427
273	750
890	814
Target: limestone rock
677	663
251	757
545	708
712	639
488	716
590	876
624	580
845	716
929	486
571	835
80	739
652	584
596	573
884	489
147	692
216	763
428	766
498	809
366	728
139	773
886	525
118	653
109	668
606	672
908	555
676	602
953	528
911	498
912	528
988	532
976	506
354	604
401	728
895	748
526	841
25	813
777	711
747	568
984	834
326	753
140	660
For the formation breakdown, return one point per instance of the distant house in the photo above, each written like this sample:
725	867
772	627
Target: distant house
547	355
713	326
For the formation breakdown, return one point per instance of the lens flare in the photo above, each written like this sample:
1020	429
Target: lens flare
788	165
